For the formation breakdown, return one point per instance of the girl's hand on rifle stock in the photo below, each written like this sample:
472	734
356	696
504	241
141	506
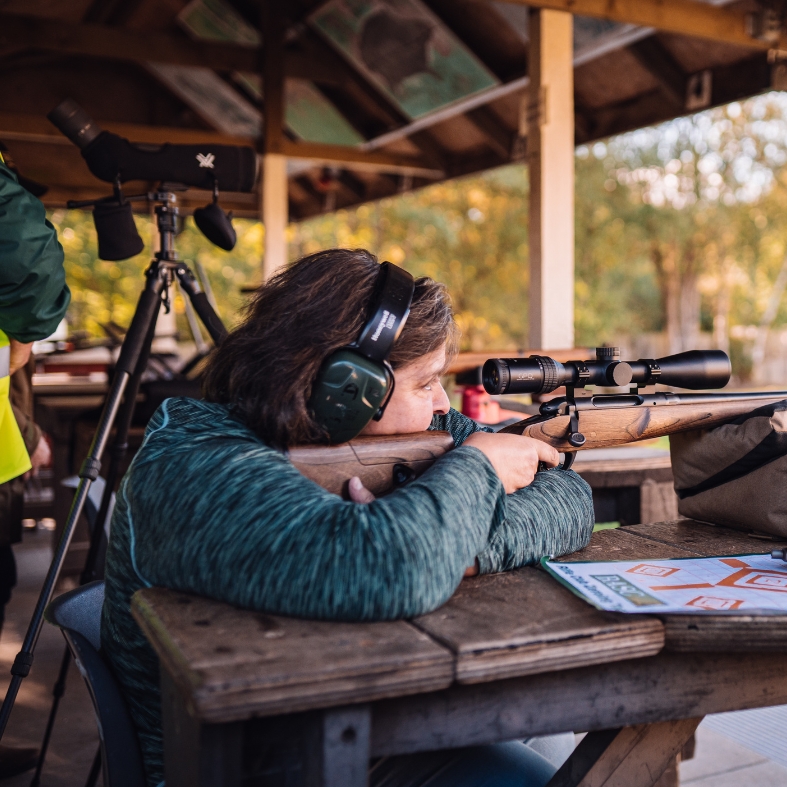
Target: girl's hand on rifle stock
514	457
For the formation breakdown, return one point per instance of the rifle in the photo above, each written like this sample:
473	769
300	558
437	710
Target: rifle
569	423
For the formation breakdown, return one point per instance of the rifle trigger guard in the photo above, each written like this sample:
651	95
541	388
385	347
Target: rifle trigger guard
575	437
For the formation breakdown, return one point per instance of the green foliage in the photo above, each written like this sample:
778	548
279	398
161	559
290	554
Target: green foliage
470	234
107	291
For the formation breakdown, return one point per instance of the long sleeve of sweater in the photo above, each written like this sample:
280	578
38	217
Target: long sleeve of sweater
33	291
552	516
228	517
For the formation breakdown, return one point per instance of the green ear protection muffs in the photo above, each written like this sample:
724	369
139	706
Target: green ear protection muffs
355	383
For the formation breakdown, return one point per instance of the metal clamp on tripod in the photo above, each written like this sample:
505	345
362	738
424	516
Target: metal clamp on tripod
118	239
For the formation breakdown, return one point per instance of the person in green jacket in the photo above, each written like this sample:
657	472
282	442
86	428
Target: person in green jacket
33	300
211	504
34	295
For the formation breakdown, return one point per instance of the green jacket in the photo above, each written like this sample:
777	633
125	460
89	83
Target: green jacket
33	291
208	508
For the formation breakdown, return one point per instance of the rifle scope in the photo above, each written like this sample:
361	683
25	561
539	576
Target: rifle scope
695	370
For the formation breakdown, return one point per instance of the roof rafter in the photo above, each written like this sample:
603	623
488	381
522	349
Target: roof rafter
660	63
684	17
19	33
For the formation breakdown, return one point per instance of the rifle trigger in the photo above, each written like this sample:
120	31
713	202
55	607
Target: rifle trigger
402	475
575	437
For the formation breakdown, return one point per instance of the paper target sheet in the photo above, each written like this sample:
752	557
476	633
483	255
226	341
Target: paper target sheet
680	585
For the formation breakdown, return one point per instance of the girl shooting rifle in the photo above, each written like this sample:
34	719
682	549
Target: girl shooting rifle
211	504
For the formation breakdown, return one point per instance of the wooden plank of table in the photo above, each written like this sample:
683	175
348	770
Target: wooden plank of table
640	691
235	664
620	544
705	539
523	622
730	632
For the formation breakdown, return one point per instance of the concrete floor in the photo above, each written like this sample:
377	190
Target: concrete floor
722	758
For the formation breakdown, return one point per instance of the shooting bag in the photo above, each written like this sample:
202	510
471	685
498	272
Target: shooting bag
735	474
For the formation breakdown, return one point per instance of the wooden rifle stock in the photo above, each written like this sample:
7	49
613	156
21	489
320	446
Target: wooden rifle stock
385	463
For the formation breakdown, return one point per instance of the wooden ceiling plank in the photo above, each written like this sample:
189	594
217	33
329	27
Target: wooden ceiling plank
119	44
685	17
657	59
18	33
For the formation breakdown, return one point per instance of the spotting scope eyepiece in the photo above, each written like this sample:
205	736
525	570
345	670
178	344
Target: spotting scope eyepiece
695	370
110	157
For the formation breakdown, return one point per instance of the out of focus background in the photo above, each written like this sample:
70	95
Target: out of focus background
681	243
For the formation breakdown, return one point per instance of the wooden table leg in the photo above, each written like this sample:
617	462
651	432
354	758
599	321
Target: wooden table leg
329	748
197	755
344	749
626	757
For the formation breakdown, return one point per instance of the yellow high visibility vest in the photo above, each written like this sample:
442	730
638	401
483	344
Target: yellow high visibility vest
14	460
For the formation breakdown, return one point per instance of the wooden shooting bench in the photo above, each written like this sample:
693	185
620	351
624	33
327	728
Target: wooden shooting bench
254	699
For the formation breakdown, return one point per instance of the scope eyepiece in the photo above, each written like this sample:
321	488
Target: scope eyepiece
73	122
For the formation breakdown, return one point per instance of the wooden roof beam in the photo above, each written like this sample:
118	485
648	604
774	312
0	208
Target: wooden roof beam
36	128
659	62
354	158
497	137
683	17
20	33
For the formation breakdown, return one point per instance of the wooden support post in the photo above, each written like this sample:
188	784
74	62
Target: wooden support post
628	757
550	157
274	212
274	164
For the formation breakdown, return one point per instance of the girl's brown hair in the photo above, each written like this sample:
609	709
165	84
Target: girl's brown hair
265	368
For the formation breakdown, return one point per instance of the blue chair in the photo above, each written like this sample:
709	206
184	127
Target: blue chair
78	615
92	506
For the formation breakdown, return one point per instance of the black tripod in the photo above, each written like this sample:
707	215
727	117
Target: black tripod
118	411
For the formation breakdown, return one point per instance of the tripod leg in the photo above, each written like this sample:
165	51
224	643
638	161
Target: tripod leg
199	300
118	452
147	309
57	692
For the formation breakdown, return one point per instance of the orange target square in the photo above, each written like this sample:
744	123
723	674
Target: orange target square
718	604
757	579
647	570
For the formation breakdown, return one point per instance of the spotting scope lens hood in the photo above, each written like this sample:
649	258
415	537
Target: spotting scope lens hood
695	370
110	156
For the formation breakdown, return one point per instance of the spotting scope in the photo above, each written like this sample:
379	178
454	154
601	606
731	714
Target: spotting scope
537	374
111	157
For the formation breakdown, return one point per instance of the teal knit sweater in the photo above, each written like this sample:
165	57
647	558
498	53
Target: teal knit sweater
207	508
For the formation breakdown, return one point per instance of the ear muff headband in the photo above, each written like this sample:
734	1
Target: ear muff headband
355	383
388	311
